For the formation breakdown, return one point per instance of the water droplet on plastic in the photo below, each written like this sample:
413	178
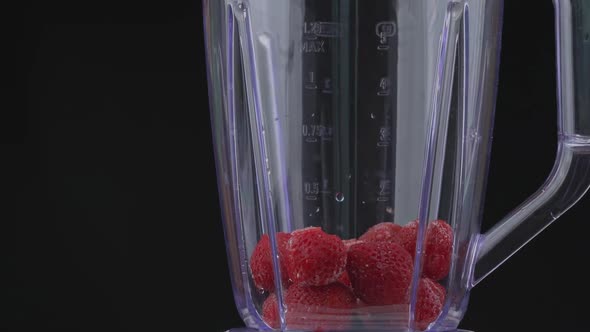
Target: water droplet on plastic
317	210
339	197
363	202
389	210
349	176
313	115
372	116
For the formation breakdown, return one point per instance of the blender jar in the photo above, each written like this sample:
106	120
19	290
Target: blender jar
352	141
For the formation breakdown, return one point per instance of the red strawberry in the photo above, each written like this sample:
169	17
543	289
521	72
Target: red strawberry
440	289
332	296
317	307
439	247
385	231
431	298
270	311
407	236
437	250
380	272
261	262
315	258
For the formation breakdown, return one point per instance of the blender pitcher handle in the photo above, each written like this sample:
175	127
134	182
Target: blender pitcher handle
570	178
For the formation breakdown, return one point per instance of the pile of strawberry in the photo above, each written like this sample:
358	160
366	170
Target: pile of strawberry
322	273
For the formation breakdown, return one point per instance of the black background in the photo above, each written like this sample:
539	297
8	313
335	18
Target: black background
111	201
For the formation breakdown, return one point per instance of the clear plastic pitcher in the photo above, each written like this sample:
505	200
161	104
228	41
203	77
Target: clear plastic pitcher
352	140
